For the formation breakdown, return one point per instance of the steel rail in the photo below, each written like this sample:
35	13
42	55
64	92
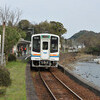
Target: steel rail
66	86
47	87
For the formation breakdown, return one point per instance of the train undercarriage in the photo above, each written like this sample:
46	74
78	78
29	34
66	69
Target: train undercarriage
43	63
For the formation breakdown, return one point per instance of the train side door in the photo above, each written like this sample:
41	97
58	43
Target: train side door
45	49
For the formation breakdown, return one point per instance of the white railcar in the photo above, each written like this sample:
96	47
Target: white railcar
45	50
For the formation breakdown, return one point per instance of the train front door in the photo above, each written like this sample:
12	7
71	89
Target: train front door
45	49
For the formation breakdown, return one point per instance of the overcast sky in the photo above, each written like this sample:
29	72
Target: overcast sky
75	15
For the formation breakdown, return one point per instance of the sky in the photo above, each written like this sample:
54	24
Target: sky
75	15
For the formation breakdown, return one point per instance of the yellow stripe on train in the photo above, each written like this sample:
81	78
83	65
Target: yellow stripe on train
53	55
40	54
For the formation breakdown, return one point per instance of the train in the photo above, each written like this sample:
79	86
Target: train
45	48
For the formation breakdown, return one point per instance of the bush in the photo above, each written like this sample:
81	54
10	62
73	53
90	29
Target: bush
11	57
2	91
4	77
93	50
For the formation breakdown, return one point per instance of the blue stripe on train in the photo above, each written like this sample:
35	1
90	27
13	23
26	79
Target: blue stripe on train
54	56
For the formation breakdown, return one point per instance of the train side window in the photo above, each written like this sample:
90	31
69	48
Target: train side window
36	43
45	45
54	44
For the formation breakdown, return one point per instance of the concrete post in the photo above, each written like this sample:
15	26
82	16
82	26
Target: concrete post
0	43
3	38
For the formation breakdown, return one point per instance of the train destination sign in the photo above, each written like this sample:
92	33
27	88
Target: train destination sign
45	36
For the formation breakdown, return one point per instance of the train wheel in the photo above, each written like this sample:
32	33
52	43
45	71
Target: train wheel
49	68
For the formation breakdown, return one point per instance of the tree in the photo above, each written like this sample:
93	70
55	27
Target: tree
50	27
24	24
57	28
12	36
43	27
10	17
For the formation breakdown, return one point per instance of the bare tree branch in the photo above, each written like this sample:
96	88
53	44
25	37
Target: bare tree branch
4	14
10	16
17	16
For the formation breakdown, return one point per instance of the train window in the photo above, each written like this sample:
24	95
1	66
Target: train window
54	44
36	43
45	45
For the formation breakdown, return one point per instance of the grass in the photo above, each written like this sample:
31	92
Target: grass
17	90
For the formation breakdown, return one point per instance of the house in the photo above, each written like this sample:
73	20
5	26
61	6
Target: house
72	46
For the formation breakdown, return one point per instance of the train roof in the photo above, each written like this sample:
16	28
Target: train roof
45	34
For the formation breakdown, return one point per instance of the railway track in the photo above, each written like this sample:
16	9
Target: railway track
57	88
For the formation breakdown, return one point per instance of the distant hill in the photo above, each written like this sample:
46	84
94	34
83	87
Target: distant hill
90	39
85	33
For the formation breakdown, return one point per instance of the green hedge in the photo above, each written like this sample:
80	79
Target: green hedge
4	77
11	57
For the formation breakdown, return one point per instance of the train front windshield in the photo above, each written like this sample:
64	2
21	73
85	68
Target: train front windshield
36	44
45	45
54	44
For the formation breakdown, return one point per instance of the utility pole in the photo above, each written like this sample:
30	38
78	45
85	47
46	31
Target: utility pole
31	30
0	43
3	39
